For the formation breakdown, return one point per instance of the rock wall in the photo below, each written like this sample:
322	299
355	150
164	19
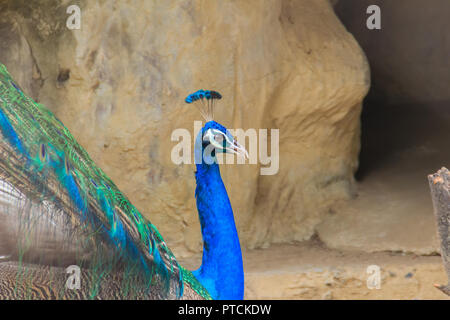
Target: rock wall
119	84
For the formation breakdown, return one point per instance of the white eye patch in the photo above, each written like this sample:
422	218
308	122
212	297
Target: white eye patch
216	138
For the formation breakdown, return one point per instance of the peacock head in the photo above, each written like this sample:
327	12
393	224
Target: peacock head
213	138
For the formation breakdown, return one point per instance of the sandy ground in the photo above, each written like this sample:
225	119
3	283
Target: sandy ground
309	270
393	211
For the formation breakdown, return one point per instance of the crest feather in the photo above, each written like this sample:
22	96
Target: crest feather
205	102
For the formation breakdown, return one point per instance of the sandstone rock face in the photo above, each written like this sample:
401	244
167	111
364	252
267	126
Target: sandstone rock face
119	84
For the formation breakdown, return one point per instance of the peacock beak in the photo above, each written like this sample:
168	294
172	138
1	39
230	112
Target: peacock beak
238	149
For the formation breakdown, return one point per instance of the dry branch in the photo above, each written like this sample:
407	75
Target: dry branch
440	186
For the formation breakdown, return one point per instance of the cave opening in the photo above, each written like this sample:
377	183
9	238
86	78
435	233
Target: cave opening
409	139
405	127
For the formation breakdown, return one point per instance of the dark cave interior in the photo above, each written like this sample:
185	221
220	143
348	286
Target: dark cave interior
406	117
405	127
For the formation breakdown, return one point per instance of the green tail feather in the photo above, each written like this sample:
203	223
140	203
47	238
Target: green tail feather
41	160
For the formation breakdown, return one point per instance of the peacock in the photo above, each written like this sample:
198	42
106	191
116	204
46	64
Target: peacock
68	232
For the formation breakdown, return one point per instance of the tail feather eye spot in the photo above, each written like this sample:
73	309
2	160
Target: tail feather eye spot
93	183
15	86
42	152
67	165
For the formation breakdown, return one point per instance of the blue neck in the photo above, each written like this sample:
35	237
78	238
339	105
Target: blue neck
221	272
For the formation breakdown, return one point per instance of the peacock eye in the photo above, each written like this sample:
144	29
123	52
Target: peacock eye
218	137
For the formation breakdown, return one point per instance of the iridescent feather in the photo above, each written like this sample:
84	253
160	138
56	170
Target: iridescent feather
61	209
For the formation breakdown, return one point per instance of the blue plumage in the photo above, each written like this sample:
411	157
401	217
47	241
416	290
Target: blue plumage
221	272
9	133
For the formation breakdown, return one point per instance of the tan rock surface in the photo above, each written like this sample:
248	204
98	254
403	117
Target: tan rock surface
119	85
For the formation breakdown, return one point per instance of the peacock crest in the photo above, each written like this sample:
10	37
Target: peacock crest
205	102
